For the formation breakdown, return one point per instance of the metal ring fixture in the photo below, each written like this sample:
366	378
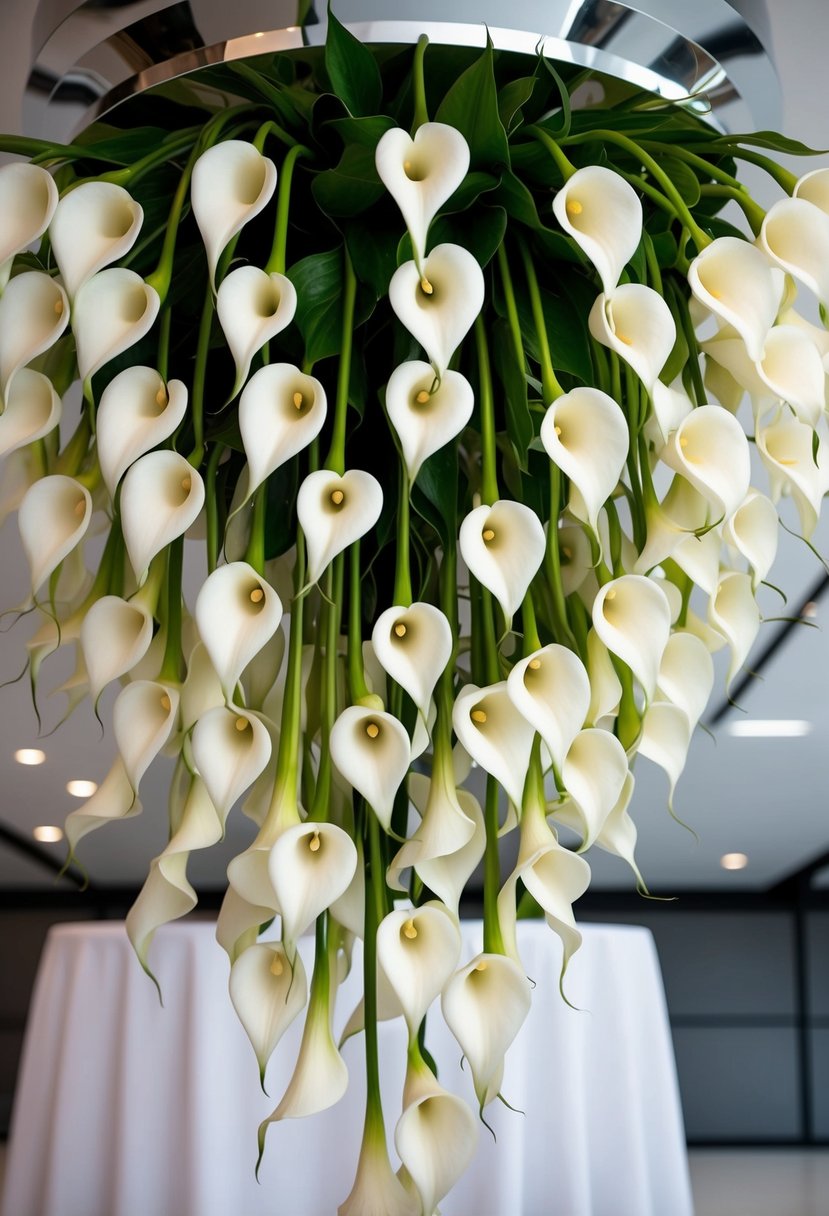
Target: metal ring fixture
92	55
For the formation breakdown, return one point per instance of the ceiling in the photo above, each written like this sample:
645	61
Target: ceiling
767	798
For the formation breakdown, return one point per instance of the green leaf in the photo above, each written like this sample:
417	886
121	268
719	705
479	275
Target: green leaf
517	199
435	493
353	70
280	510
480	230
773	140
683	177
363	131
469	191
372	247
352	187
514	383
512	98
123	147
471	105
318	280
563	127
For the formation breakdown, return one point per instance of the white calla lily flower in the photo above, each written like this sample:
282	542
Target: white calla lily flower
449	843
281	411
112	311
202	688
237	613
267	992
632	617
53	517
733	612
727	351
161	496
551	688
421	173
253	307
593	773
485	1004
371	750
377	1191
795	235
33	409
310	866
792	367
320	1077
28	198
637	324
438	302
618	835
603	214
143	718
426	413
686	675
709	448
605	686
665	739
34	312
114	798
418	949
94	225
495	734
786	449
735	281
752	532
231	183
334	511
136	413
671	404
584	432
673	522
575	557
388	1008
814	187
503	545
230	747
115	635
435	1137
413	646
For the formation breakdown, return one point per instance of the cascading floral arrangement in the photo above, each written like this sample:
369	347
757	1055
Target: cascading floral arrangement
442	373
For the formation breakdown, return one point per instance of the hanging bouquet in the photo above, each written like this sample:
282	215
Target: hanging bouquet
441	376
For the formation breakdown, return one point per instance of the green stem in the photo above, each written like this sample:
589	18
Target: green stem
552	561
752	211
679	307
255	552
290	722
402	567
486	405
421	113
511	306
532	641
163	358
374	912
356	673
566	166
162	276
336	453
691	158
276	262
328	706
211	507
782	176
129	175
552	388
493	939
199	379
171	663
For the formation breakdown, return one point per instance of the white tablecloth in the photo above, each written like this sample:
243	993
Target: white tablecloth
124	1108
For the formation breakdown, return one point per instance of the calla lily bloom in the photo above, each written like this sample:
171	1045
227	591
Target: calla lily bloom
449	843
605	686
795	235
231	183
28	198
575	557
618	835
161	496
603	214
112	311
334	511
665	739
237	613
320	1077
371	750
310	866
267	991
670	405
115	635
637	324
671	528
281	411
733	612
496	735
202	688
261	676
709	448
114	798
435	1136
438	303
786	449
593	773
253	307
727	351
33	409
814	187
413	645
503	545
143	715
230	748
34	312
421	173
136	413
485	1004
94	225
54	515
377	1191
418	949
632	617
792	367
752	532
584	432
426	414
551	688
735	281
686	675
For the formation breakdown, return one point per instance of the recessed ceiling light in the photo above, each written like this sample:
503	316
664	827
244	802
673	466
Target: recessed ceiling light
49	833
81	789
29	755
733	861
770	728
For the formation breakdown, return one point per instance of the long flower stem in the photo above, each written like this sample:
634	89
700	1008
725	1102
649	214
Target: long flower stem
421	113
276	262
493	938
486	405
375	899
211	507
200	379
358	689
336	453
552	388
171	664
328	688
402	560
255	552
290	724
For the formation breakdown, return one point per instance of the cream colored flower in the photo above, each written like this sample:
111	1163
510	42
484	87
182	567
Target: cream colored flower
584	432
503	545
136	413
426	413
602	213
232	182
438	302
94	225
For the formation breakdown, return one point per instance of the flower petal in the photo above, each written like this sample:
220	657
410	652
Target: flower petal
94	225
503	545
584	432
372	752
795	235
377	1191
413	645
237	613
786	449
551	688
435	1138
112	311
161	496
34	312
230	749
752	532
686	675
495	734
115	635
710	449
418	949
320	1077
232	182
136	413
426	415
33	409
144	715
335	511
733	611
792	367
421	173
633	618
267	993
311	865
593	773
734	280
439	315
28	198
114	798
602	213
665	739
637	324
281	411
53	517
253	307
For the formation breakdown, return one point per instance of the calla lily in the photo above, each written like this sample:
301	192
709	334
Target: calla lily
28	198
388	1008
441	861
637	324
115	635
320	1077
665	739
161	496
720	385
237	613
618	835
485	1004
230	749
727	351
421	173
709	448
114	798
795	235
575	557
670	406
413	645
735	281
112	311
435	1136
584	432
94	225
53	517
551	688
136	413
593	773
371	750
202	688
377	1191
418	949
633	618
232	182
253	307
33	409
426	413
267	992
605	686
438	303
503	545
281	411
34	312
733	612
682	513
335	511
495	734
686	675
310	866
814	187
603	215
786	449
262	675
792	367
144	715
752	532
